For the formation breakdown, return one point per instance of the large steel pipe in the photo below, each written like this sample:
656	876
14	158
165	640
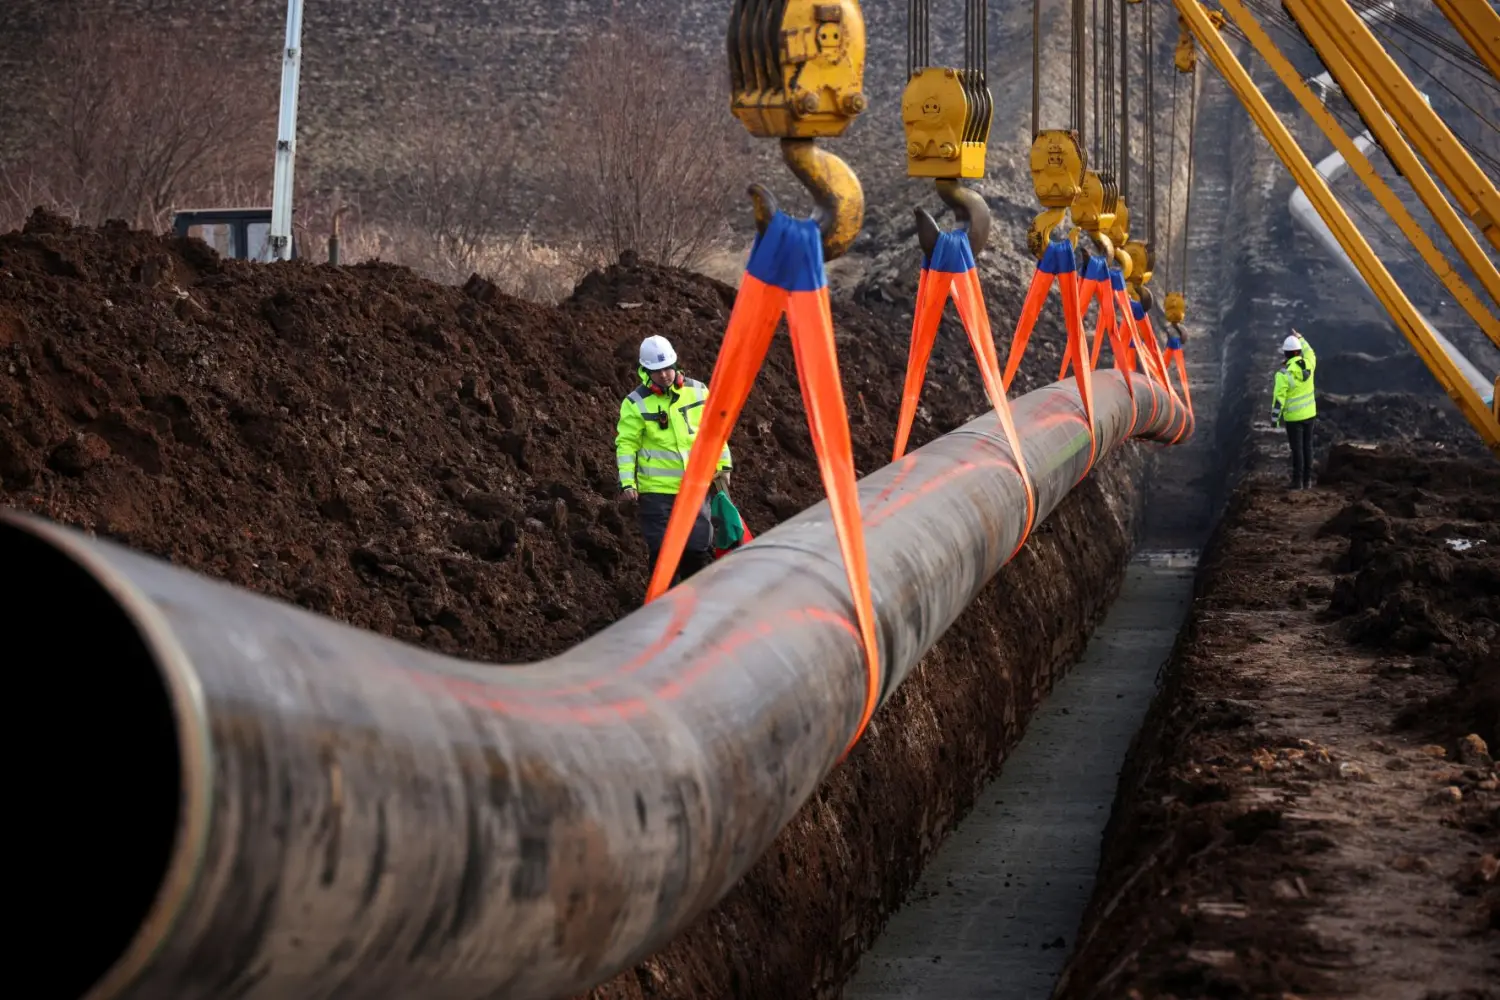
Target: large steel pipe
246	800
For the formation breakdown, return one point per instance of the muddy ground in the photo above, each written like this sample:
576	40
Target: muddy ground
1311	808
437	466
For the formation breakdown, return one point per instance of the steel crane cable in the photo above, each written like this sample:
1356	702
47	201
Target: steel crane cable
1434	78
1402	246
1352	122
977	66
1124	103
917	39
1094	45
1351	118
1110	88
1077	35
1170	246
1035	66
1451	52
1187	204
1148	47
1448	51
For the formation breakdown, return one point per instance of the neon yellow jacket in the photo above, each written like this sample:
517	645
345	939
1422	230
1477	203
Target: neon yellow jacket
1293	399
656	432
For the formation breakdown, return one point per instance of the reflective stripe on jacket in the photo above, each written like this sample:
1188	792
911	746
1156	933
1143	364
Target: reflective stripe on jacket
655	434
1294	399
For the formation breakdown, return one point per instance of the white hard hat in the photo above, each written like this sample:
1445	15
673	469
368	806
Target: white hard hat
657	353
1292	343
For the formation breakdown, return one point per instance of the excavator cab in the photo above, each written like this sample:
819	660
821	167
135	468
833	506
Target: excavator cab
238	233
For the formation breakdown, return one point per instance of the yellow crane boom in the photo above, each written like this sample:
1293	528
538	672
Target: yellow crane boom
1349	36
1479	24
1401	154
1483	417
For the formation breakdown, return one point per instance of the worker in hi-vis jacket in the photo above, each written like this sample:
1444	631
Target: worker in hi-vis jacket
659	421
1293	403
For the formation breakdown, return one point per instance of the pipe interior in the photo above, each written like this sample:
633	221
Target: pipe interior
109	785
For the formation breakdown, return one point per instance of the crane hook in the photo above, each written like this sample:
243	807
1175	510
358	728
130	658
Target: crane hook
1144	297
838	197
969	207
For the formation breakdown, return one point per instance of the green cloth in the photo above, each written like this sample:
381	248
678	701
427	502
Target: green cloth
729	527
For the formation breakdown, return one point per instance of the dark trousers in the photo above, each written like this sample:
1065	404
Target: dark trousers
1299	436
654	511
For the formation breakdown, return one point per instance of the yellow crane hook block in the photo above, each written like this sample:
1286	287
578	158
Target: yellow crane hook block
796	73
947	111
1118	232
1058	162
800	77
1175	307
1142	261
1185	56
947	119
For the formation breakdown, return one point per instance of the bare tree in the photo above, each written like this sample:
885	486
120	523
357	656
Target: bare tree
648	151
128	124
454	187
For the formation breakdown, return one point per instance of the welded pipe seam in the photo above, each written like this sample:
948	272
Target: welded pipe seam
386	822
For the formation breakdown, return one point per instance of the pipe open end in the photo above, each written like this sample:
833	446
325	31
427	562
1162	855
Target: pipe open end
105	816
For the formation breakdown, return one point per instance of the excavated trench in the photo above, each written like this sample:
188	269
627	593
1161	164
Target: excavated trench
995	913
1215	878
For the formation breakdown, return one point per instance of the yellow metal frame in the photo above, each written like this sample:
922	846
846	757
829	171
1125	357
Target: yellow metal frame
1058	162
811	85
799	80
1484	269
1482	417
1479	25
946	131
1473	191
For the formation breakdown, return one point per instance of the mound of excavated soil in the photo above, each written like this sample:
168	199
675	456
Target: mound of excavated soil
1421	577
383	449
1429	425
1312	806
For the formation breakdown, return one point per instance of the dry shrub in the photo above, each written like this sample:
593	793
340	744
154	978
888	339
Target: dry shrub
450	188
129	126
517	265
455	202
650	157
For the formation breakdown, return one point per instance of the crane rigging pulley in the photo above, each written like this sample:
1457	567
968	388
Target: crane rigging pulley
1185	59
1098	203
1059	160
946	112
1058	168
796	73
